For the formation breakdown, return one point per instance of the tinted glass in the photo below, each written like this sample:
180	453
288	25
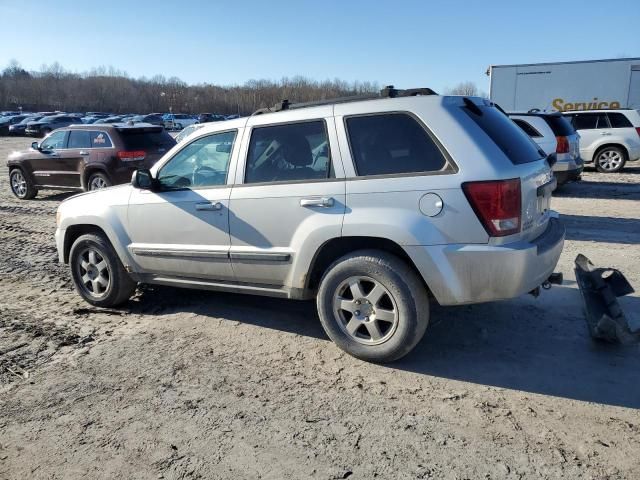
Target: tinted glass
585	121
99	139
298	151
603	121
146	138
54	141
79	139
527	127
202	163
559	125
618	120
513	142
390	144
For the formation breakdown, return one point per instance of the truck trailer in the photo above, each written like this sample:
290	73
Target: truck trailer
565	86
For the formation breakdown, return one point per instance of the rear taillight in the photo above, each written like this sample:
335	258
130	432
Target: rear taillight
638	130
131	155
563	144
497	205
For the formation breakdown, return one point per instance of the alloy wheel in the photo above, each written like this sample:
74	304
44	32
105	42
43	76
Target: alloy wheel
94	272
18	184
97	183
610	160
366	310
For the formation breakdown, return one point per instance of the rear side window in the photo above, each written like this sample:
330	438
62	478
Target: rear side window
79	139
560	126
618	120
513	142
146	139
290	152
99	140
527	127
392	143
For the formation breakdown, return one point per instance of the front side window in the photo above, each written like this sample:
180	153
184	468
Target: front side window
392	143
202	163
54	141
79	139
289	152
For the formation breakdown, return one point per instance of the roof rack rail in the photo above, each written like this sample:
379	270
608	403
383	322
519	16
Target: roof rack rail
387	92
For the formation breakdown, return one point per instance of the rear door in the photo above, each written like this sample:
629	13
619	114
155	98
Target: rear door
591	127
289	197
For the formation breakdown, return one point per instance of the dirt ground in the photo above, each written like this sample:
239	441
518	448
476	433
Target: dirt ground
188	384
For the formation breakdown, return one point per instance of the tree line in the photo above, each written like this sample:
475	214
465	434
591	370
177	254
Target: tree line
110	90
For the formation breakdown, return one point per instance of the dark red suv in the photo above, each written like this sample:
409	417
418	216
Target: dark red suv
86	157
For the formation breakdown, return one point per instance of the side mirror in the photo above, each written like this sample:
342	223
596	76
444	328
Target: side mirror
142	179
35	146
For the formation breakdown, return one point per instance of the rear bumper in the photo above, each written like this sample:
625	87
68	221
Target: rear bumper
462	274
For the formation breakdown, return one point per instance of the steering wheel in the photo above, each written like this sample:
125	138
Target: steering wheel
204	173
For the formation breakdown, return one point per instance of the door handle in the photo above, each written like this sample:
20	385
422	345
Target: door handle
210	206
605	133
324	202
83	153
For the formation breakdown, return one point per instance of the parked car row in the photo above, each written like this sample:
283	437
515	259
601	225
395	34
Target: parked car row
606	139
41	123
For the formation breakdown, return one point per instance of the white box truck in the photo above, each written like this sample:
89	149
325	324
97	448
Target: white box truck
563	86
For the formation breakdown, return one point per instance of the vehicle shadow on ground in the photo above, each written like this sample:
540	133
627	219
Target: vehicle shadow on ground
520	344
607	190
54	197
602	229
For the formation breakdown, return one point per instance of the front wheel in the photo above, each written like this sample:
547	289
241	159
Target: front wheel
373	306
610	160
98	273
21	186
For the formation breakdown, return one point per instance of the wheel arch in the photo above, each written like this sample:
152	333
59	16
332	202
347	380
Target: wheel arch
90	170
73	232
621	146
335	248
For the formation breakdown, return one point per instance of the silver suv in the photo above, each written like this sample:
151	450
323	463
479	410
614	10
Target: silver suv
374	207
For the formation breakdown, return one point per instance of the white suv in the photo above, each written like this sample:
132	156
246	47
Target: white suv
374	208
608	138
555	135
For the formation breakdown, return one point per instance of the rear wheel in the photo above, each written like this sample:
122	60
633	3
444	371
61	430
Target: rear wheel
21	186
610	160
97	181
373	306
97	272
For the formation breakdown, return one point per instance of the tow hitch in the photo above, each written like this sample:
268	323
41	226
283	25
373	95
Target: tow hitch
554	279
600	288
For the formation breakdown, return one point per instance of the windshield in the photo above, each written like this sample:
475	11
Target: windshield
50	118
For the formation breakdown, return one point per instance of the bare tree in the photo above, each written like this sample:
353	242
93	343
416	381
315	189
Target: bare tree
468	89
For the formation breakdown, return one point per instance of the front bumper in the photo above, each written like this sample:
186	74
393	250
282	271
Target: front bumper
463	274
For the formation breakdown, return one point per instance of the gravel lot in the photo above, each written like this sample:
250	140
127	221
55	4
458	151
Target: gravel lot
189	384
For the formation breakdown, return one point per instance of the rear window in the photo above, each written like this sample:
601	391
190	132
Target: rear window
392	143
618	120
561	126
527	127
146	138
513	142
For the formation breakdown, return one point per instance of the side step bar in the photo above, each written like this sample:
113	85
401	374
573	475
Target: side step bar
600	288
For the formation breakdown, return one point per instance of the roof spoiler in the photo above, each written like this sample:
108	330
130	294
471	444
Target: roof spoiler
387	92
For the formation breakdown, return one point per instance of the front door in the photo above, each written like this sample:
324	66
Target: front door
181	228
54	165
288	199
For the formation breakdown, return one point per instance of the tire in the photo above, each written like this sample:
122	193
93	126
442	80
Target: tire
610	159
97	181
357	289
21	185
98	274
